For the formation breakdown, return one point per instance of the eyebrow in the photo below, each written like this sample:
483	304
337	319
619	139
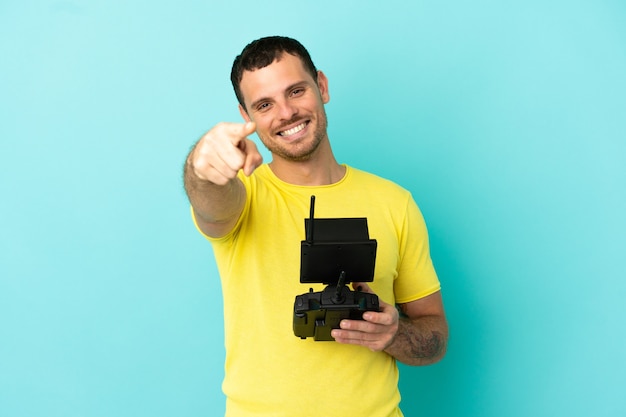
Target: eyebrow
302	83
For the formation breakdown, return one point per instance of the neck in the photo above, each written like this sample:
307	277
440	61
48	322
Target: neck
318	170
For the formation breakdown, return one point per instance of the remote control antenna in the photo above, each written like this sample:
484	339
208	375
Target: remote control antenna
309	232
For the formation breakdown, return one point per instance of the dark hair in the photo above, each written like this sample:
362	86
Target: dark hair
263	52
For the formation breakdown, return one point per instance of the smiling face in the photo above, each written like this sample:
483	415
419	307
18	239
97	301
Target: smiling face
287	105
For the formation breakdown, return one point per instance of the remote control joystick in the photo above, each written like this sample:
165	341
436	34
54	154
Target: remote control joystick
336	252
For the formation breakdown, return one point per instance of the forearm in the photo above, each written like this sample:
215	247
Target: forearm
420	341
215	206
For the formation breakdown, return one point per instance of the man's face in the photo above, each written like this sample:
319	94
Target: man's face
287	106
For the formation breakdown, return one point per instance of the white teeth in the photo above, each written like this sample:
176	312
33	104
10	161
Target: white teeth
293	130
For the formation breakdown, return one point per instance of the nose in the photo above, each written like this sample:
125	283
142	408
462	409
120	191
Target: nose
286	110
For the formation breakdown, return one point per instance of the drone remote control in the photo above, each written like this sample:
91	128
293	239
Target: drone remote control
335	252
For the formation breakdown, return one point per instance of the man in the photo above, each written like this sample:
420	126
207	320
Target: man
253	214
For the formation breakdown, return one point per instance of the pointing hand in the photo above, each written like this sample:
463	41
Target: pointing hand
223	151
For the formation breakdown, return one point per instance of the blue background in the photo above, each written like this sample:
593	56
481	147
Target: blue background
506	120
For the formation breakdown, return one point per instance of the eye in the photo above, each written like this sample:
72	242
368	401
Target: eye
263	106
296	92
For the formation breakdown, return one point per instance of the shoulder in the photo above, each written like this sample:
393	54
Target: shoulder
375	184
363	175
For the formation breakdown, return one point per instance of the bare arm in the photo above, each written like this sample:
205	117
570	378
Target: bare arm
210	175
420	337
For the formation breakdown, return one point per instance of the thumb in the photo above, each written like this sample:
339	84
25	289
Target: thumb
252	158
362	286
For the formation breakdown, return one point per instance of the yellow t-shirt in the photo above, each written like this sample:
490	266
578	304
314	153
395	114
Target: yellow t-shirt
268	370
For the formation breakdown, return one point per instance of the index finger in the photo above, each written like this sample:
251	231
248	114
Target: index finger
237	132
387	316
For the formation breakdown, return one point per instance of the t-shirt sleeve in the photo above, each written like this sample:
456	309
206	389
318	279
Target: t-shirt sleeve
417	277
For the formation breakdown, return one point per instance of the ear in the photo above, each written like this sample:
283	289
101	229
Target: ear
244	114
322	84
